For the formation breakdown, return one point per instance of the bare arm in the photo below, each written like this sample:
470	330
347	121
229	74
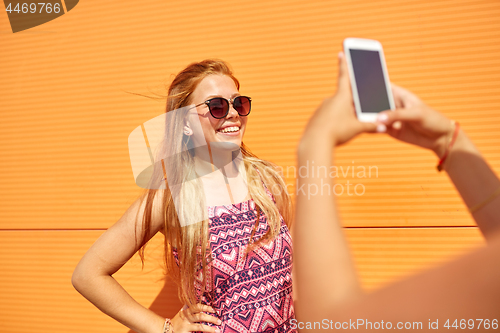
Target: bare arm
325	272
475	181
416	123
467	287
93	275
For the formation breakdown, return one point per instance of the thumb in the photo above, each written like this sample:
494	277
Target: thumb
343	76
372	127
402	114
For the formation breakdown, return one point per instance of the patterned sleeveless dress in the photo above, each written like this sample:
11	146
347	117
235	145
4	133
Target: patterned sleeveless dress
249	293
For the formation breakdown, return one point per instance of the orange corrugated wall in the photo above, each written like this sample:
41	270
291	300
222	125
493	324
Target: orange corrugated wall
66	115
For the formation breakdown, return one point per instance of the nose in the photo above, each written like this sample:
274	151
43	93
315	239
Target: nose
232	113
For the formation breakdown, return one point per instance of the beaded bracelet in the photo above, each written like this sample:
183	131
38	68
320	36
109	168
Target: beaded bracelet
167	327
448	149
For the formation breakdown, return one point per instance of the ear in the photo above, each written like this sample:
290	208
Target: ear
187	130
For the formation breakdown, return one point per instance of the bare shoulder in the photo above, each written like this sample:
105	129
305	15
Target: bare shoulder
130	229
150	205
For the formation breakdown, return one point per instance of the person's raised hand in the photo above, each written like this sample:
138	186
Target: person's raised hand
189	319
416	123
335	119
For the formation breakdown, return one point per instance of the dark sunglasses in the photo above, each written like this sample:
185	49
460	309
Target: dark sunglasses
219	106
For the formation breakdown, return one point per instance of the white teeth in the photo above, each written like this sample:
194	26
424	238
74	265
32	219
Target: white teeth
230	129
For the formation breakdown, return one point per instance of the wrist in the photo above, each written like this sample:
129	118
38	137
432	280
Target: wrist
463	144
440	147
167	326
442	142
449	147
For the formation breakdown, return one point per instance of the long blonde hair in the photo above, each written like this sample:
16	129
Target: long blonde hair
192	241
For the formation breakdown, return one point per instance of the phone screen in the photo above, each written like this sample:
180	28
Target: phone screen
370	81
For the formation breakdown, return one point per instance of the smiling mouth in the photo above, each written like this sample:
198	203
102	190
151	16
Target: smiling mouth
228	130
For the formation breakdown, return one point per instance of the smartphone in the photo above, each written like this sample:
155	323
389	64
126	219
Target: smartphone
370	85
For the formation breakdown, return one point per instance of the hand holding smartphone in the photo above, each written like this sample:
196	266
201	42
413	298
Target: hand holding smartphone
370	83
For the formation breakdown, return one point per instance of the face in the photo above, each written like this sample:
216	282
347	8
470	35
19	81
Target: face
228	129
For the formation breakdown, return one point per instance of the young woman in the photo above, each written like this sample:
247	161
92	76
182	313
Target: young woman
233	269
467	289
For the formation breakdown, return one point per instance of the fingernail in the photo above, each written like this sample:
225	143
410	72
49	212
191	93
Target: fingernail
219	321
217	330
341	55
381	128
382	117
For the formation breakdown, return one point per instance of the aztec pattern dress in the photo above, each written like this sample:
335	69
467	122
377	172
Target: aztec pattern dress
250	293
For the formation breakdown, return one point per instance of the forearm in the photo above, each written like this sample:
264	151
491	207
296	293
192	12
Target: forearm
324	267
467	288
109	296
475	181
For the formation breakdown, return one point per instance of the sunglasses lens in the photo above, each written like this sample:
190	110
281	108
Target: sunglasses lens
242	105
218	107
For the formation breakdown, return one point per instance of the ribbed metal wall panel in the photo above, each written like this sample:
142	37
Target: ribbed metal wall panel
66	115
36	271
